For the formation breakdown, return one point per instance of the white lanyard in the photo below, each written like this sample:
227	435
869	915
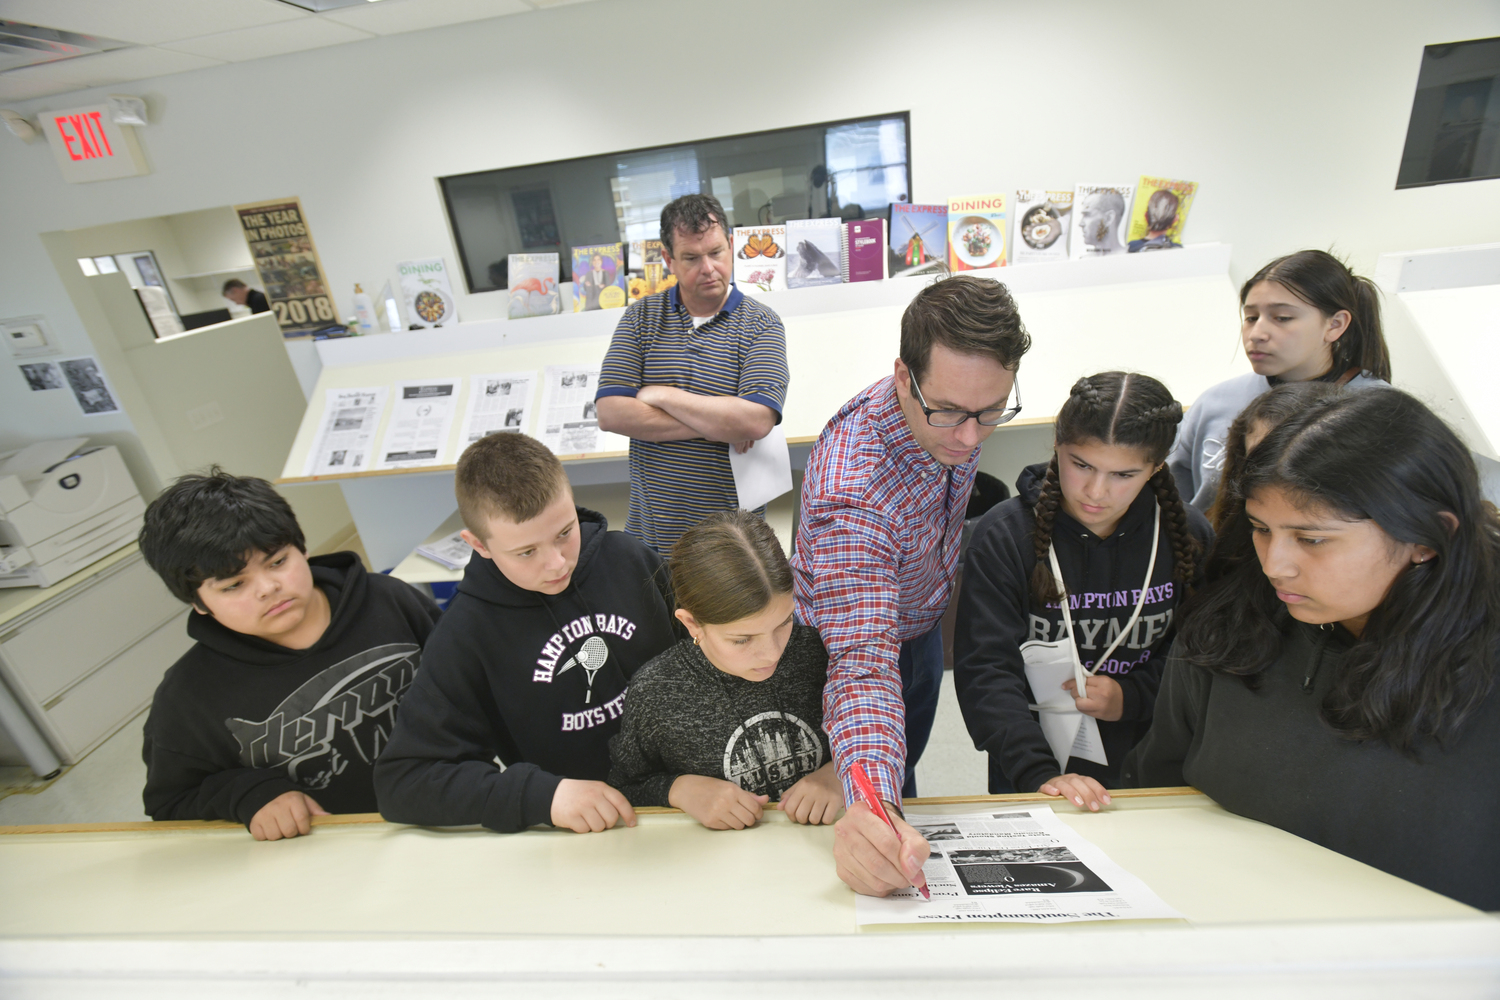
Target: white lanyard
1080	675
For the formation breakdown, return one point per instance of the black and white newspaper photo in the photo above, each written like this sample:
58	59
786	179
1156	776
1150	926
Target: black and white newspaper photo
43	375
421	421
86	379
346	435
1024	865
570	418
498	404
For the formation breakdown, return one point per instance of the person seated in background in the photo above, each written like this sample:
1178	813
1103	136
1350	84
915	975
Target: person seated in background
1336	677
279	710
1265	413
523	684
721	725
241	294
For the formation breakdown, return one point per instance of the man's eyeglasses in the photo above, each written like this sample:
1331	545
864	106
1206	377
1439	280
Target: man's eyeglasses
952	418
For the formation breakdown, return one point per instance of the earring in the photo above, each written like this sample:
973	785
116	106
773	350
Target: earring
695	640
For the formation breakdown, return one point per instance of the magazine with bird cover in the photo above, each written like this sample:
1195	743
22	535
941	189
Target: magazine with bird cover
1101	216
1020	864
919	238
814	253
428	293
599	277
976	232
1160	212
760	258
533	285
1042	219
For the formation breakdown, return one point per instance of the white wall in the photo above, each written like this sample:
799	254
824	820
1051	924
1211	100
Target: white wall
1291	114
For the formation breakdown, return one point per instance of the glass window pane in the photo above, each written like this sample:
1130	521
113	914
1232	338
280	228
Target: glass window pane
1454	131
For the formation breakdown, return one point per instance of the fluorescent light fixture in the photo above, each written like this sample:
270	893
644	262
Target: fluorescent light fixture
86	265
318	6
106	265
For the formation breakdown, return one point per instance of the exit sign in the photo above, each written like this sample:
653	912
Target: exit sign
90	147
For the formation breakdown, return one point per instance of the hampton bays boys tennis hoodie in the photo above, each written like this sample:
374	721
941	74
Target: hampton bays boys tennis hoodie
1104	577
535	683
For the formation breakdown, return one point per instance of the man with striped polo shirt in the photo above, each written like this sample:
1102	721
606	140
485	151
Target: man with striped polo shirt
690	373
883	503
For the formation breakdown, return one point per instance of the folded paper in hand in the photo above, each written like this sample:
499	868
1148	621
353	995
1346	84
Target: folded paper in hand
764	472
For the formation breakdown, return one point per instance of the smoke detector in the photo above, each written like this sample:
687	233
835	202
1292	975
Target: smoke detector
17	125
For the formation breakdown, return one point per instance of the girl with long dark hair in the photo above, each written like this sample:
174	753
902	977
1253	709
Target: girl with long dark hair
1337	678
1069	594
1306	317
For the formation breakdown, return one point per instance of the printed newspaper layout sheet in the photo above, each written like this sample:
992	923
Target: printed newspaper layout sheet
569	423
346	435
1019	864
450	551
421	419
498	403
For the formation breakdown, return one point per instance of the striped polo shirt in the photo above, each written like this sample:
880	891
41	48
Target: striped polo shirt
741	351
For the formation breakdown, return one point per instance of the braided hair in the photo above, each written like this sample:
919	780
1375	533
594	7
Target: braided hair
1127	410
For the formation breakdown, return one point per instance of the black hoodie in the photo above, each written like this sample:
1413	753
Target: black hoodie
511	674
1431	817
996	615
239	720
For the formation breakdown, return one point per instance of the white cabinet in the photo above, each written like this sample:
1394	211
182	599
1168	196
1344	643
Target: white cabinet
84	657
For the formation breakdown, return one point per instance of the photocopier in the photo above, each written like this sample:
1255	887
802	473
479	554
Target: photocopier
63	505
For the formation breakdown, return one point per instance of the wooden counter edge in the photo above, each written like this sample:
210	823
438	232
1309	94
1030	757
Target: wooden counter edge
356	819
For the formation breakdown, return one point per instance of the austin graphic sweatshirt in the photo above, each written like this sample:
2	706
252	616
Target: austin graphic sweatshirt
686	716
1104	577
239	720
520	690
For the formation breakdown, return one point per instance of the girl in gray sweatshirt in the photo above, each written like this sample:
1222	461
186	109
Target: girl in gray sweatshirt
732	718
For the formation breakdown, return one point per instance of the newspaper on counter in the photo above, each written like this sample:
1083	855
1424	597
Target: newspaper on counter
570	418
1018	864
421	419
346	434
499	403
452	551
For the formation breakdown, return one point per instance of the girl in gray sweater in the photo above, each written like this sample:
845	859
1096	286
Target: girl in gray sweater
732	719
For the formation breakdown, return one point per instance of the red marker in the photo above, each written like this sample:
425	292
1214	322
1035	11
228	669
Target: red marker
867	792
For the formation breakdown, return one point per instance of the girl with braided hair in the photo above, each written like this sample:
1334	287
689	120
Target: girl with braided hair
1102	525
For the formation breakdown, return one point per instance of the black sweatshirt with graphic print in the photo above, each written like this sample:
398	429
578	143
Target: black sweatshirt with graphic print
239	720
1104	576
535	682
685	716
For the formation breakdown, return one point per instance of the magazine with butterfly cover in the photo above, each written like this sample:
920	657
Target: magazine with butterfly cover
1160	212
533	285
976	232
599	277
760	258
1101	216
919	239
814	253
1041	226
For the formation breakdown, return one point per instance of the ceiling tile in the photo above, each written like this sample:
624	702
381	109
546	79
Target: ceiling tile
147	23
101	70
390	17
270	40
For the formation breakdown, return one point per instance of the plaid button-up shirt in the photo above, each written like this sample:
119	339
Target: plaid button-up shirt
877	550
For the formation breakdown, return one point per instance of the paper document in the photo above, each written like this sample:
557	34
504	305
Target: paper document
1069	732
346	435
451	551
569	423
421	420
764	472
498	403
1020	864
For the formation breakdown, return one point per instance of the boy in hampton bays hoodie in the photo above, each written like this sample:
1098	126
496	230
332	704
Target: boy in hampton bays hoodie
278	712
529	666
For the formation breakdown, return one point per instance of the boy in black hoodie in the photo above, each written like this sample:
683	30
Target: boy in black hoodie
508	724
279	711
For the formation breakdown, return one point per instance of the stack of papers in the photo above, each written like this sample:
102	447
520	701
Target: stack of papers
451	551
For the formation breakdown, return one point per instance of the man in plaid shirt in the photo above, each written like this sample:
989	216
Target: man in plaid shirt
883	503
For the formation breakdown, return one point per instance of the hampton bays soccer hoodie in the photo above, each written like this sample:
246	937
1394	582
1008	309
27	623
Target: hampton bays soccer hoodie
1104	577
239	720
534	682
